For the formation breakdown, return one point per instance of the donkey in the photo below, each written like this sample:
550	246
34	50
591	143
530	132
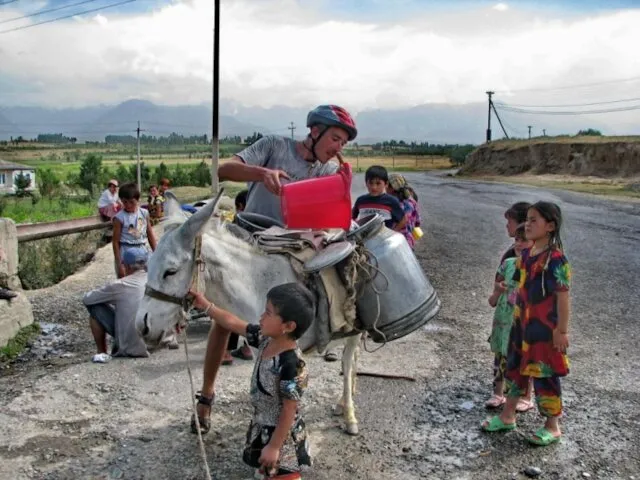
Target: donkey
236	276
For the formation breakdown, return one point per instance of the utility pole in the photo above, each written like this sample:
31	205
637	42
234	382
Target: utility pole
529	127
292	128
544	132
489	117
216	97
138	169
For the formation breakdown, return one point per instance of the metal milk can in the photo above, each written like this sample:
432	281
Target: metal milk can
399	298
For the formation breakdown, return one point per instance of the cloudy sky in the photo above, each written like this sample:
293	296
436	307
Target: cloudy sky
364	54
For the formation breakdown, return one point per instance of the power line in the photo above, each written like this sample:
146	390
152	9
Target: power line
7	2
42	12
568	112
67	16
571	87
502	104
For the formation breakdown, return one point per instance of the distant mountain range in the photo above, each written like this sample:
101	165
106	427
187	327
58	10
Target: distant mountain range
433	123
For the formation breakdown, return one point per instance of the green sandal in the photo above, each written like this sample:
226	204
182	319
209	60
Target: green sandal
495	424
543	438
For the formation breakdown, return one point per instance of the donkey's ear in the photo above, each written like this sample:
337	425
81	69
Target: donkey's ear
172	206
195	224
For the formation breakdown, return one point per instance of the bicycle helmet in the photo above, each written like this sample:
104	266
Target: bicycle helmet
333	116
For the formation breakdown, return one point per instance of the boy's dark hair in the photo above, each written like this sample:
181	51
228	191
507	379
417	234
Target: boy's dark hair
152	186
376	172
241	199
518	211
165	181
294	303
551	213
129	191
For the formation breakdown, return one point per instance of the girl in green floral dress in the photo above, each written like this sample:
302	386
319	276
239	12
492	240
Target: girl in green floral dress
503	300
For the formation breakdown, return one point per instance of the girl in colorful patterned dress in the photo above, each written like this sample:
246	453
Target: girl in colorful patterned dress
539	337
399	188
277	440
503	300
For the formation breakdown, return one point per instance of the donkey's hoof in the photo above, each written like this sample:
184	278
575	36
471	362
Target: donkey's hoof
352	428
337	410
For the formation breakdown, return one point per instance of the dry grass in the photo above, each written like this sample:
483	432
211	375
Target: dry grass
565	139
399	162
594	185
193	194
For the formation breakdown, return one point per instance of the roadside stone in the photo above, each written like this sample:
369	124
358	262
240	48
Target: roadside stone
532	472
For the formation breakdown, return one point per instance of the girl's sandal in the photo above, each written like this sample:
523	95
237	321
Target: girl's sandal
205	422
524	405
495	424
495	401
543	438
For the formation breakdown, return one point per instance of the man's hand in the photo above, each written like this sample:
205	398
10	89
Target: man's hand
121	271
271	180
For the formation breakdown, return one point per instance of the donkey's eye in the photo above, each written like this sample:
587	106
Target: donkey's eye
168	273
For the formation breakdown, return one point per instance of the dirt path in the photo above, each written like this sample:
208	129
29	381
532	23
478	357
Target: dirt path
67	418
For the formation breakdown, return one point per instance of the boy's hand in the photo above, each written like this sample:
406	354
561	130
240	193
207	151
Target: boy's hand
560	340
271	179
121	272
199	300
269	457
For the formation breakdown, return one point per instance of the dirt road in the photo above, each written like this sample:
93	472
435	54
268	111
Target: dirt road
67	418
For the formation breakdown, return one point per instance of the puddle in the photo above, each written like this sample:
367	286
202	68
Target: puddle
55	341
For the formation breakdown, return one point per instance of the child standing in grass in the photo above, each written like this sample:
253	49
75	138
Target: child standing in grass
503	300
131	226
539	337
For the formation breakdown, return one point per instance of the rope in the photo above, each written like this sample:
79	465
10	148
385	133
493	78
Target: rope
199	267
364	261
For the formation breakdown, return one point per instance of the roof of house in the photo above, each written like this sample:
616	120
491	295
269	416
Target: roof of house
4	165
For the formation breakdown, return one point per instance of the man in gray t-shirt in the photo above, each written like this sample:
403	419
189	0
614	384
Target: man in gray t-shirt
274	160
265	165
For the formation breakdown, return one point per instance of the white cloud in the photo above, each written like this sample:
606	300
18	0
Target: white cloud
276	52
501	7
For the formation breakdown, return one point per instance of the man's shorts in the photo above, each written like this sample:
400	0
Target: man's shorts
105	315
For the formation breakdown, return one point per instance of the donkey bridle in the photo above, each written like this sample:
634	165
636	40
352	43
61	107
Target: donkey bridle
165	297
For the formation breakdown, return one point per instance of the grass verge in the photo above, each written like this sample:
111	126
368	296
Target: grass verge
16	345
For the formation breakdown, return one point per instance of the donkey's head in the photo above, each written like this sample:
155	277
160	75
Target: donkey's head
170	270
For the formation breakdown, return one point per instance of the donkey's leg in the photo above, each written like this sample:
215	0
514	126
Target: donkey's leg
349	369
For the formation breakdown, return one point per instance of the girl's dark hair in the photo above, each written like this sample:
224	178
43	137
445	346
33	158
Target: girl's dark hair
129	191
520	233
518	211
294	303
551	213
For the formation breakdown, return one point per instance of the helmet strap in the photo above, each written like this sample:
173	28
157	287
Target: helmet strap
314	142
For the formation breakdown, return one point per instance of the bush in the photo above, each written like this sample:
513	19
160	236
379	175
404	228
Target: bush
90	170
46	262
589	132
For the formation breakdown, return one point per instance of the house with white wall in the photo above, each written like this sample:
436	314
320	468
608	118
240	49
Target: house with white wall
8	173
